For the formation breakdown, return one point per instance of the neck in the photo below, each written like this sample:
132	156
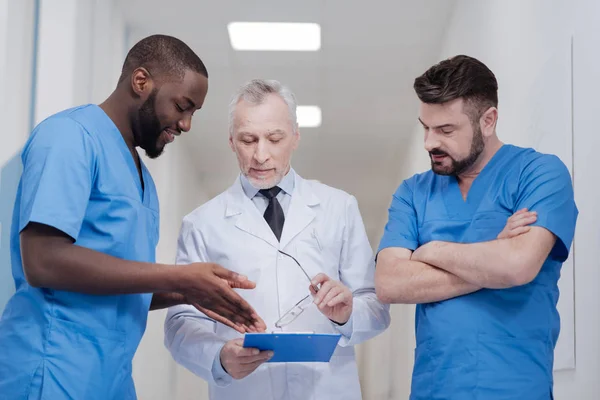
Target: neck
117	108
468	176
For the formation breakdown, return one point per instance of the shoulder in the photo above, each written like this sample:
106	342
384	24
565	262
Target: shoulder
60	130
327	193
533	163
416	185
205	213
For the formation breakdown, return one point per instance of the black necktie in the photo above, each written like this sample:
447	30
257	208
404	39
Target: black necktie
274	213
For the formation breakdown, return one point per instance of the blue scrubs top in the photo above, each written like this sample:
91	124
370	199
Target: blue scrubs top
491	344
78	177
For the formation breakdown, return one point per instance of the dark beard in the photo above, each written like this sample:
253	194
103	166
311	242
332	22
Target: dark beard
460	166
148	129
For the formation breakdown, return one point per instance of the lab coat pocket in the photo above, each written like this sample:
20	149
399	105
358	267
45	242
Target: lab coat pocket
317	255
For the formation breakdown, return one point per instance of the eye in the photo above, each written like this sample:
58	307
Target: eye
447	131
178	107
275	140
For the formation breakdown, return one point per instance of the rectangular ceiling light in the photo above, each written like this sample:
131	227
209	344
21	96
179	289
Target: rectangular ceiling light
308	116
274	36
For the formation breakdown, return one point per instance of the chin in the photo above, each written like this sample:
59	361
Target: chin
264	183
442	170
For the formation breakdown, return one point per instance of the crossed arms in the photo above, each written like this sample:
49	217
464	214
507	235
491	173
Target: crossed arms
439	270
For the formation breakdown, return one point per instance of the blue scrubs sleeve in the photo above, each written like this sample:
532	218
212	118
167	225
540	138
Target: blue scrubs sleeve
58	170
401	229
545	186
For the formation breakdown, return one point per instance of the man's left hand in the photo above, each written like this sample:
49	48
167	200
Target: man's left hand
333	299
426	253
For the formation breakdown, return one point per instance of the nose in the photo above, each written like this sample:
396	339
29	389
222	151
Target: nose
431	141
261	154
185	124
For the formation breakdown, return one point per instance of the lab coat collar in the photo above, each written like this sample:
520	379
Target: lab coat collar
300	213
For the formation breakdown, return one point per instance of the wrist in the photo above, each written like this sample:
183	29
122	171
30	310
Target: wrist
176	278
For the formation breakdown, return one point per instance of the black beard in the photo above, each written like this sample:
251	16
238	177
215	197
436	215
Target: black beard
460	166
148	129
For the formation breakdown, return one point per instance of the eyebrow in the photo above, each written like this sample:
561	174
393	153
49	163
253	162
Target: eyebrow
436	127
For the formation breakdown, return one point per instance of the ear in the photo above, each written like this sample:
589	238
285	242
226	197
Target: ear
488	121
296	139
141	82
231	146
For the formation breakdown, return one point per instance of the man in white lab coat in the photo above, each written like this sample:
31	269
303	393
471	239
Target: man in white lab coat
290	236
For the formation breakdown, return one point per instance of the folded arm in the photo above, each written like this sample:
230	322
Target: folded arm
497	264
399	279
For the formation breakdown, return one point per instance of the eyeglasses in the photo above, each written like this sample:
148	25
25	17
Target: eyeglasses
300	306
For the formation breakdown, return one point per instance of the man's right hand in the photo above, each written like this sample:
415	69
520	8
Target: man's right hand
240	362
209	288
518	223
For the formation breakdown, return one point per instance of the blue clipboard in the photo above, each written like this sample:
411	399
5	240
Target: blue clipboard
294	347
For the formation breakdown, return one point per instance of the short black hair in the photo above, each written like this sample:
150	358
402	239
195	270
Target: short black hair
163	56
459	77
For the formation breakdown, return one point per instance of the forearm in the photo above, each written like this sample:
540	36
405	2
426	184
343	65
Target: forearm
412	282
495	264
56	263
166	300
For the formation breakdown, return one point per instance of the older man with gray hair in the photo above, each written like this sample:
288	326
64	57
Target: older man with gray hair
289	235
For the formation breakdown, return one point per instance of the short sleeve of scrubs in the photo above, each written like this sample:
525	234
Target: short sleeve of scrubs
58	171
545	187
401	228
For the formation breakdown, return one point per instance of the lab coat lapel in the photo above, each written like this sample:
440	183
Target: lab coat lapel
246	215
301	212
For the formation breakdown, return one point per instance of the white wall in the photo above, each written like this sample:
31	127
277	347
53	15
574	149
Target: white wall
16	18
518	40
80	53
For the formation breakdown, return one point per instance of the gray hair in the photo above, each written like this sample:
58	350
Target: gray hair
255	91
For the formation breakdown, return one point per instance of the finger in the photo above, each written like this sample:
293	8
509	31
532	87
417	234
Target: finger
321	278
213	315
259	325
247	369
325	288
332	293
234	304
243	352
260	357
339	299
519	214
223	300
526	219
518	231
234	279
524	215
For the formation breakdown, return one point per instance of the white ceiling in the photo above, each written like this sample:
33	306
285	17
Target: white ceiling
362	80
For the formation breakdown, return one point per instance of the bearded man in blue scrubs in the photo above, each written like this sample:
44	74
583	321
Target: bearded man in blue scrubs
84	233
477	243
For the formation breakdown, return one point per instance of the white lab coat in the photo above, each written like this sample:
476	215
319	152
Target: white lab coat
324	231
